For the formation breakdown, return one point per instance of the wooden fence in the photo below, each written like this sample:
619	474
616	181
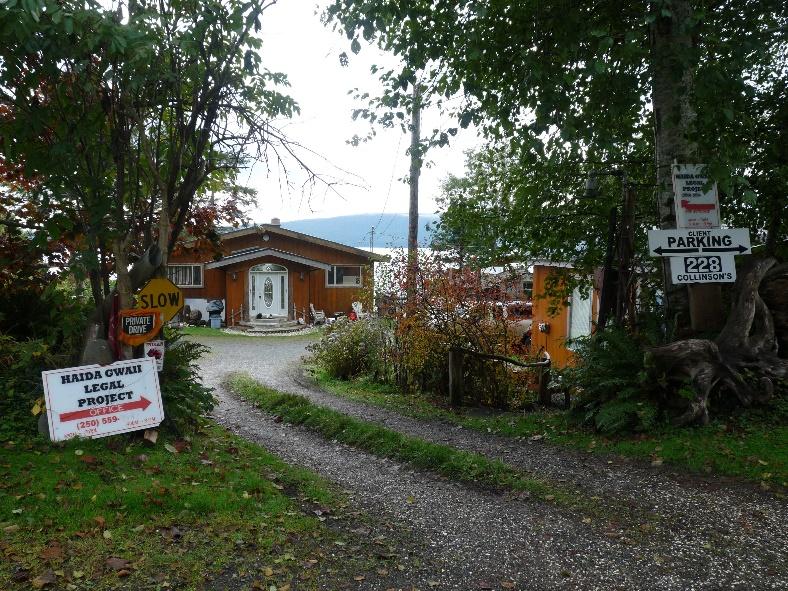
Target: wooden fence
457	377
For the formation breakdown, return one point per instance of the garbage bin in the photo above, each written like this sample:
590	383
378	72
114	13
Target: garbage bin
214	309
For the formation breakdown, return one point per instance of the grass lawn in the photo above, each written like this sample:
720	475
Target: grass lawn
117	514
751	446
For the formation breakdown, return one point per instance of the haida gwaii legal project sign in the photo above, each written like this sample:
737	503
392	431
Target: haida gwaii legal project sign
101	400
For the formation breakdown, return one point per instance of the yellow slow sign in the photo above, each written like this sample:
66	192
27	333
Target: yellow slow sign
161	295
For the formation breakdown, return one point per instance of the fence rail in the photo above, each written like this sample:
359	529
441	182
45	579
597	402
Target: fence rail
457	377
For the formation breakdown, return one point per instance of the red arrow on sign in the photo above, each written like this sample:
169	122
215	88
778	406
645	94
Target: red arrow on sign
140	404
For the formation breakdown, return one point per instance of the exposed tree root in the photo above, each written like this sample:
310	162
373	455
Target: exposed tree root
742	361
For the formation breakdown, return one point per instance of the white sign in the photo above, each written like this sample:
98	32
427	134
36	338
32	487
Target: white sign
688	242
155	350
100	400
696	206
705	269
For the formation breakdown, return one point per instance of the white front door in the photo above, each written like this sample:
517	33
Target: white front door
268	293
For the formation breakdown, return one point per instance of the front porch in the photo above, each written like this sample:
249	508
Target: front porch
269	290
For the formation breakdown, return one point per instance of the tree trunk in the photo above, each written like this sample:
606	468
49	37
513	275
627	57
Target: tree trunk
96	349
672	88
413	214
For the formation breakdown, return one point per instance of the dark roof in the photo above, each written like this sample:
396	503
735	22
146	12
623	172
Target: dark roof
275	229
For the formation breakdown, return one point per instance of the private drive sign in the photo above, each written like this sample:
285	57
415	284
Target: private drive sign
101	400
686	242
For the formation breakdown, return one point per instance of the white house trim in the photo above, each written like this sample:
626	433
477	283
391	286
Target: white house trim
262	252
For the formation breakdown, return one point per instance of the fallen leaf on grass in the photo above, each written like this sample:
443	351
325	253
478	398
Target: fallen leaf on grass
107	534
117	564
268	571
90	460
52	552
11	529
21	575
181	445
172	533
100	521
43	580
170	448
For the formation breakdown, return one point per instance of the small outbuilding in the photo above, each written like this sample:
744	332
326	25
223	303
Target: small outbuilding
574	318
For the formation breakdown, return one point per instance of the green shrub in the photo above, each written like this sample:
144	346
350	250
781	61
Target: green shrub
186	400
40	329
21	364
349	349
610	380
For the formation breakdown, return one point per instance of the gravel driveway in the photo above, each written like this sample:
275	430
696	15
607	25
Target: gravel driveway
700	533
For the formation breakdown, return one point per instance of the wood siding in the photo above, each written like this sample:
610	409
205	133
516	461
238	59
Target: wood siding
554	342
306	284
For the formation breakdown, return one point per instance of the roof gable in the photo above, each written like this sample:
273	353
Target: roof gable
275	229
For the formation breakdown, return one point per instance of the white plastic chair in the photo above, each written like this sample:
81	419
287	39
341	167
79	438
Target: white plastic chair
318	316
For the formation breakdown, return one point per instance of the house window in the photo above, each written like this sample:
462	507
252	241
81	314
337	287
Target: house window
344	276
528	289
185	275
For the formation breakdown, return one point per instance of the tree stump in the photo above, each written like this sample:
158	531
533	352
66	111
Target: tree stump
741	362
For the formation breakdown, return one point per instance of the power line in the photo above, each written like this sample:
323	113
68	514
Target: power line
391	179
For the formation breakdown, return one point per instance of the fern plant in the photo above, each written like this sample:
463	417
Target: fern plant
186	400
611	383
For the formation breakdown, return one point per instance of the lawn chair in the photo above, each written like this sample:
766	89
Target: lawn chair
318	316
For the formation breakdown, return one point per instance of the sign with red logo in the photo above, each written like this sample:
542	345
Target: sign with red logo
101	400
697	205
155	349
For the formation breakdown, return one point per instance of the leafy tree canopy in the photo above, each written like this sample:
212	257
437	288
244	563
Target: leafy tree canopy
132	126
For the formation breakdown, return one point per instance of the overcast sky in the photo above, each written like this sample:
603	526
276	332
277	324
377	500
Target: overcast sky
297	43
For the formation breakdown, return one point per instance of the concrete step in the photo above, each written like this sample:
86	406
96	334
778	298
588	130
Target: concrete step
272	329
267	322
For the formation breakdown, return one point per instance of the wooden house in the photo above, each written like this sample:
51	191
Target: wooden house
573	319
267	271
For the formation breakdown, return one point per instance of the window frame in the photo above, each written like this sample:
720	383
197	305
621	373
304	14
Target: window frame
191	266
332	273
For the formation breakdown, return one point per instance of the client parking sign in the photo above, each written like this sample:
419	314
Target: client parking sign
101	400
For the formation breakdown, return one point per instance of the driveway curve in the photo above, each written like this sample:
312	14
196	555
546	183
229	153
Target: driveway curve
704	533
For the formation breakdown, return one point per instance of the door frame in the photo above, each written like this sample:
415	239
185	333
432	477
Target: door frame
275	271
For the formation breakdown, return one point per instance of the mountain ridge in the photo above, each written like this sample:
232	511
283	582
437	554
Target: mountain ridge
391	229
